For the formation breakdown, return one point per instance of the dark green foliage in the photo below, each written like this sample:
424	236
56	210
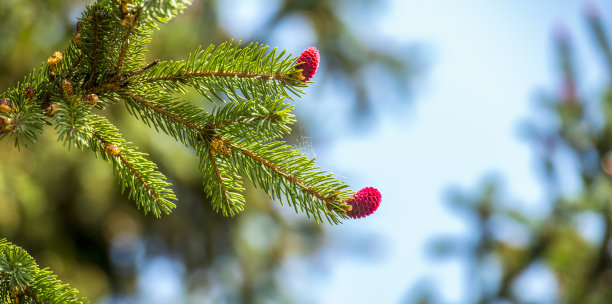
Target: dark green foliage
21	281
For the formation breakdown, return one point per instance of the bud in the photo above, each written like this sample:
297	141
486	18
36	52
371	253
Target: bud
364	202
54	61
112	150
218	147
7	102
28	92
5	122
5	106
58	55
77	40
5	109
308	63
67	88
91	99
127	20
50	110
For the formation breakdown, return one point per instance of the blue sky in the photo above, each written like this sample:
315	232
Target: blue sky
488	60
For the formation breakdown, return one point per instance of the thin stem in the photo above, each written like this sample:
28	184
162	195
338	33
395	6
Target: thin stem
219	179
140	100
279	171
95	50
110	86
126	40
138	176
185	76
141	70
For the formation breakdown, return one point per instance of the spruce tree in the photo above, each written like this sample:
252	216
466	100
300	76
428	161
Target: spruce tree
251	89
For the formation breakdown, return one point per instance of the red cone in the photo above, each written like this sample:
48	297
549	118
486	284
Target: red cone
310	56
364	202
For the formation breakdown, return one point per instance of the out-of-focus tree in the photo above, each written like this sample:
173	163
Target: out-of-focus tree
567	246
66	210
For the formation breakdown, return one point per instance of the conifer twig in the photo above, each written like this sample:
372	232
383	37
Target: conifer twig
164	112
219	178
126	40
125	162
141	70
188	75
280	172
96	37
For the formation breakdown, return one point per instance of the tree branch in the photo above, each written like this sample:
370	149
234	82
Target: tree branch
280	172
219	179
125	162
126	40
188	75
142	101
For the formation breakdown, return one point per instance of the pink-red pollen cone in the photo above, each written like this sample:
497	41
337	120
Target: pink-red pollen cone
310	56
364	202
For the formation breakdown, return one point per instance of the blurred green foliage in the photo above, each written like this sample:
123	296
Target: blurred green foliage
66	210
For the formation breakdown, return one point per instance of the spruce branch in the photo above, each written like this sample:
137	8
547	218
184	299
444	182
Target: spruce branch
104	64
287	175
236	72
141	70
180	120
144	183
268	118
161	11
252	88
21	280
220	179
94	21
129	22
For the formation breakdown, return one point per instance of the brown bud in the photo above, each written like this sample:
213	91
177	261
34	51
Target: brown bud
50	110
54	61
5	122
67	88
5	108
298	76
28	92
112	150
218	147
91	99
77	40
58	55
127	20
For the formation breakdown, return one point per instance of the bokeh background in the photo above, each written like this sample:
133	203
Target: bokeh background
483	124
